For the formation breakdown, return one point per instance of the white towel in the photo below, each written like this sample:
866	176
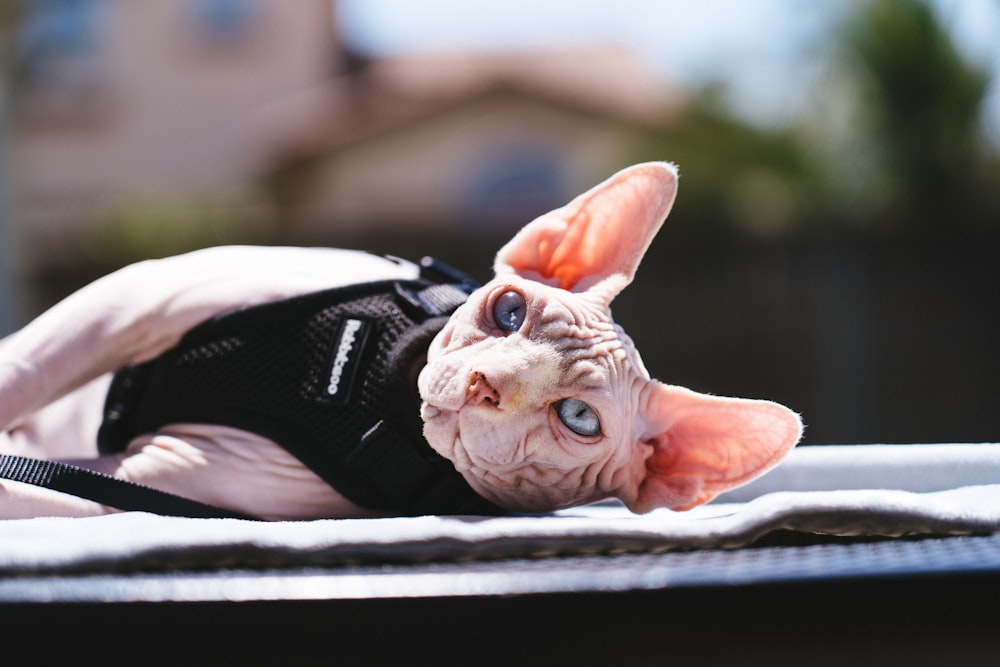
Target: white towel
867	490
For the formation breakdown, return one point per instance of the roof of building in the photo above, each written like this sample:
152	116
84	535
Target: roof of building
377	95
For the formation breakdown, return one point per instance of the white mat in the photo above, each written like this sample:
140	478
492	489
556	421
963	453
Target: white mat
870	490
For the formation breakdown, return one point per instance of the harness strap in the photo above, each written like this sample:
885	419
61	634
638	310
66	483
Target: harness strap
106	490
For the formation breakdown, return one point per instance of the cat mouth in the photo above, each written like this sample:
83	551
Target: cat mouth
476	455
470	430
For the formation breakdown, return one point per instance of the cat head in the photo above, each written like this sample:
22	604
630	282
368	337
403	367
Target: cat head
541	401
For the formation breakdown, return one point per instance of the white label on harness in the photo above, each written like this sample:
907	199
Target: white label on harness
342	358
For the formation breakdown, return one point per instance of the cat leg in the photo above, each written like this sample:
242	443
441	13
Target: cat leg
65	428
26	501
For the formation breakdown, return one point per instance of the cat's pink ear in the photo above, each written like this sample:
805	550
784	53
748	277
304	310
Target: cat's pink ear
601	234
704	445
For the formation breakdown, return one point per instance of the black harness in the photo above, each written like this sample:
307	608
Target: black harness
328	375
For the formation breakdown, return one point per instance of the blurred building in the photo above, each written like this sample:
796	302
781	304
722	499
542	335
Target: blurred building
488	139
139	125
122	102
119	100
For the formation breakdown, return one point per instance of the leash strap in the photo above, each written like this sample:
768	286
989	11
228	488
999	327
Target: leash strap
105	489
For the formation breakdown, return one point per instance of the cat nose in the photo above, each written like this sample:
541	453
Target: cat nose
481	392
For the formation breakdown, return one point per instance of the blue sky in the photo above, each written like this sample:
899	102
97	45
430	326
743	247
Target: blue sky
760	46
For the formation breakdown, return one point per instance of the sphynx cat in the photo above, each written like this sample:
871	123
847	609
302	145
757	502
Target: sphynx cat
534	394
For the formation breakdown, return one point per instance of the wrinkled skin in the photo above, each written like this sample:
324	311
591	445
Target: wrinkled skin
493	391
489	399
491	395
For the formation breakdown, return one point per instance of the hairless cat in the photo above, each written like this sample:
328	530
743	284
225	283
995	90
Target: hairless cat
300	383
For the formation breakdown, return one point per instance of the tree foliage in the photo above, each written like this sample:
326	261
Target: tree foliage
893	142
735	177
923	102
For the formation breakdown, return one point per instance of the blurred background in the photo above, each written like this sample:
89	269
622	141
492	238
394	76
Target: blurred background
834	244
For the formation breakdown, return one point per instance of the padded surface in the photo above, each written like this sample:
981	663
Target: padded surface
779	576
778	533
581	574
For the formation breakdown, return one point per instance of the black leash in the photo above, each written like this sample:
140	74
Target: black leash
105	489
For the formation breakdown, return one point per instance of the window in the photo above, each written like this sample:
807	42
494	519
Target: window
225	22
58	42
513	187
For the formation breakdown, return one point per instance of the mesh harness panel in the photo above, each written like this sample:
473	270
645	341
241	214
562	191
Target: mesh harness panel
327	376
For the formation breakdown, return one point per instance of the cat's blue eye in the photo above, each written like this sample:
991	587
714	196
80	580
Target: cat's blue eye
509	311
578	416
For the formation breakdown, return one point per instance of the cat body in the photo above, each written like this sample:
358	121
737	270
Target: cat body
535	395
